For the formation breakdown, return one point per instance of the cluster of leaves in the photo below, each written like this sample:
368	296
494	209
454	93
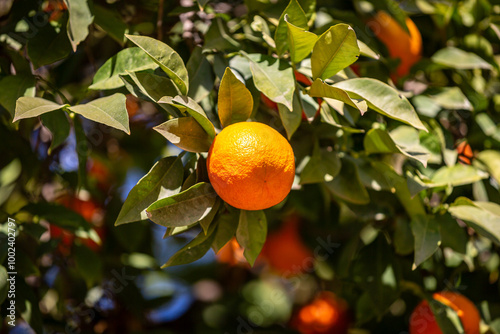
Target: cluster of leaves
376	159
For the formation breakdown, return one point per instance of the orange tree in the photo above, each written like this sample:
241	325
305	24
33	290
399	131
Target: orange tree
383	208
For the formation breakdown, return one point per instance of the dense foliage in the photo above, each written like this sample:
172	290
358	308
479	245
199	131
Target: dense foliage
108	110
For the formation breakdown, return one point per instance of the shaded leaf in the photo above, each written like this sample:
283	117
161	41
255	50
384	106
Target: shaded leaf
194	250
323	166
335	49
166	57
49	39
382	98
163	180
185	208
58	125
235	102
347	184
13	87
127	60
291	119
109	110
80	18
201	76
251	233
427	238
185	133
4	284
227	223
111	22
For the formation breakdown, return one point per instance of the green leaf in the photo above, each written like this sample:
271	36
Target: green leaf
347	184
194	250
185	133
459	59
492	161
201	76
484	217
379	141
166	57
273	77
163	180
300	42
184	103
235	102
321	89
207	221
127	60
4	284
13	87
185	208
110	110
27	107
456	175
452	235
446	317
383	99
58	124
80	18
323	166
452	98
427	238
403	237
291	119
88	263
294	14
111	22
335	49
48	38
251	233
227	223
82	151
365	50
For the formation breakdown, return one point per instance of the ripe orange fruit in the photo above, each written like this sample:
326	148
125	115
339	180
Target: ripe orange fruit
251	166
285	251
326	314
400	44
422	319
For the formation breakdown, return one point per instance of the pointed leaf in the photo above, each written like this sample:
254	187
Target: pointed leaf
251	233
492	161
300	42
208	220
227	223
323	166
58	125
347	184
484	217
169	60
291	119
185	208
80	18
295	15
127	60
27	107
163	180
459	59
273	77
456	175
13	87
185	133
235	100
110	110
201	76
49	38
335	49
194	250
185	103
427	238
321	89
383	99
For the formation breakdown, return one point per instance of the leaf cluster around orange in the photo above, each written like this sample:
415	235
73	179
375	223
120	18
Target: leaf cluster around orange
251	166
422	320
400	44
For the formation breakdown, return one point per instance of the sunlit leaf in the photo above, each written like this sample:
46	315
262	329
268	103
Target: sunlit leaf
235	102
185	133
